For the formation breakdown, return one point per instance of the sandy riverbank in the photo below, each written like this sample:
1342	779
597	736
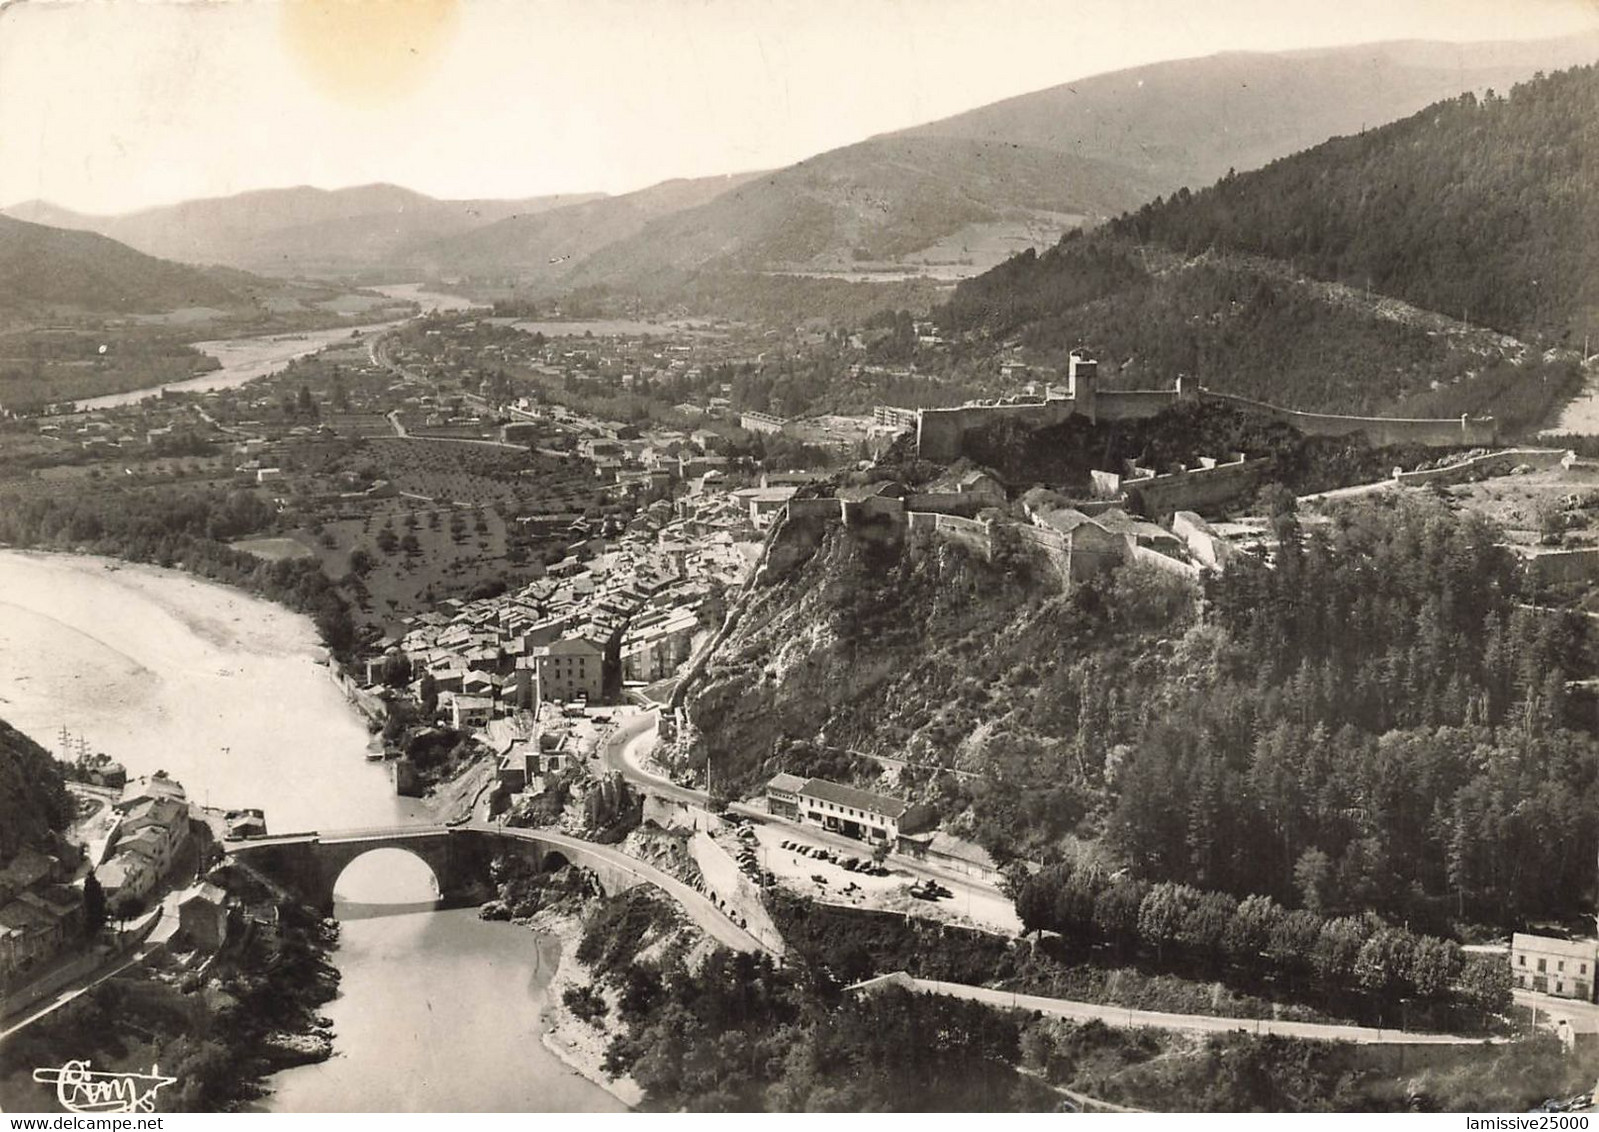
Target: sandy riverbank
579	1044
162	670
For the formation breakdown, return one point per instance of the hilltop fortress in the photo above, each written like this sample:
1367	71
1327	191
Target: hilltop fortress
940	433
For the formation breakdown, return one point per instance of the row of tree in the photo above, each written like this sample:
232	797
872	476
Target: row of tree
1212	930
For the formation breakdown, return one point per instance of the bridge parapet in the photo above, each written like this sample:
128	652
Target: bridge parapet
310	864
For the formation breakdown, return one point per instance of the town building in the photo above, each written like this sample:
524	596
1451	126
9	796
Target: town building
782	796
570	669
203	916
760	422
467	712
1560	967
856	813
953	853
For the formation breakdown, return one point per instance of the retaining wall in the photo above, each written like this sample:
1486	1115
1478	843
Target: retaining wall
1198	488
1491	463
1555	566
733	892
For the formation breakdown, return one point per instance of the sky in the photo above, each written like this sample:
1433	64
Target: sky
108	106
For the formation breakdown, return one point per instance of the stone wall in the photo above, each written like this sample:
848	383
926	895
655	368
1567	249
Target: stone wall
940	433
1551	567
1165	562
1198	489
1462	432
1491	463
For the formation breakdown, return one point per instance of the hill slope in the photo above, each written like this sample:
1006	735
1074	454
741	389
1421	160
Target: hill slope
543	247
43	267
1485	208
881	200
295	231
1188	121
33	795
1272	283
964	192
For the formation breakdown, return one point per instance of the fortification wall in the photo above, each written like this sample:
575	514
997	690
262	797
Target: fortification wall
968	532
1380	431
948	503
1132	404
824	509
939	432
1552	567
1491	463
874	508
1051	545
1164	562
1199	488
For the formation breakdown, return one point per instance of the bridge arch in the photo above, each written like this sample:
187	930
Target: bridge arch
391	876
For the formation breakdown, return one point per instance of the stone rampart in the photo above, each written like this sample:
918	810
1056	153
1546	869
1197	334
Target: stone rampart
1488	464
1198	489
1453	432
1551	567
940	433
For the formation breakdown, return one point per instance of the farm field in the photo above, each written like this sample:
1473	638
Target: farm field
479	474
359	426
398	561
274	549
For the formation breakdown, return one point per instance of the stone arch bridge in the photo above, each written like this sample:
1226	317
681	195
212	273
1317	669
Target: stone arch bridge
308	865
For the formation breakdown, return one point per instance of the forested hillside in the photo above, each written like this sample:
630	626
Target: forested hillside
1380	722
1337	279
33	793
1485	209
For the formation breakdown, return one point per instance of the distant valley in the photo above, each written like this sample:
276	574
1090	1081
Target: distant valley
944	200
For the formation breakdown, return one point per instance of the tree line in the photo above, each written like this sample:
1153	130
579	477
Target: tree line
187	528
1351	955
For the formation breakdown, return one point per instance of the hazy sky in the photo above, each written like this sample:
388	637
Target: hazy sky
111	105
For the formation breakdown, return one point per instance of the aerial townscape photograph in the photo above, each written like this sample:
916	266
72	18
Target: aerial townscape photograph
854	556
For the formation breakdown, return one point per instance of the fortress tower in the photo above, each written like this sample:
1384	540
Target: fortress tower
1081	372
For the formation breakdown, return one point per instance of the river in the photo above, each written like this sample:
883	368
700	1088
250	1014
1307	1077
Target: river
437	1011
245	359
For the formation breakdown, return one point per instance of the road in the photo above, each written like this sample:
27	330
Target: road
699	908
1194	1023
1583	1016
622	752
166	927
982	904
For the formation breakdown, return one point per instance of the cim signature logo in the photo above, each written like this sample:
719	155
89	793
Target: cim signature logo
79	1090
